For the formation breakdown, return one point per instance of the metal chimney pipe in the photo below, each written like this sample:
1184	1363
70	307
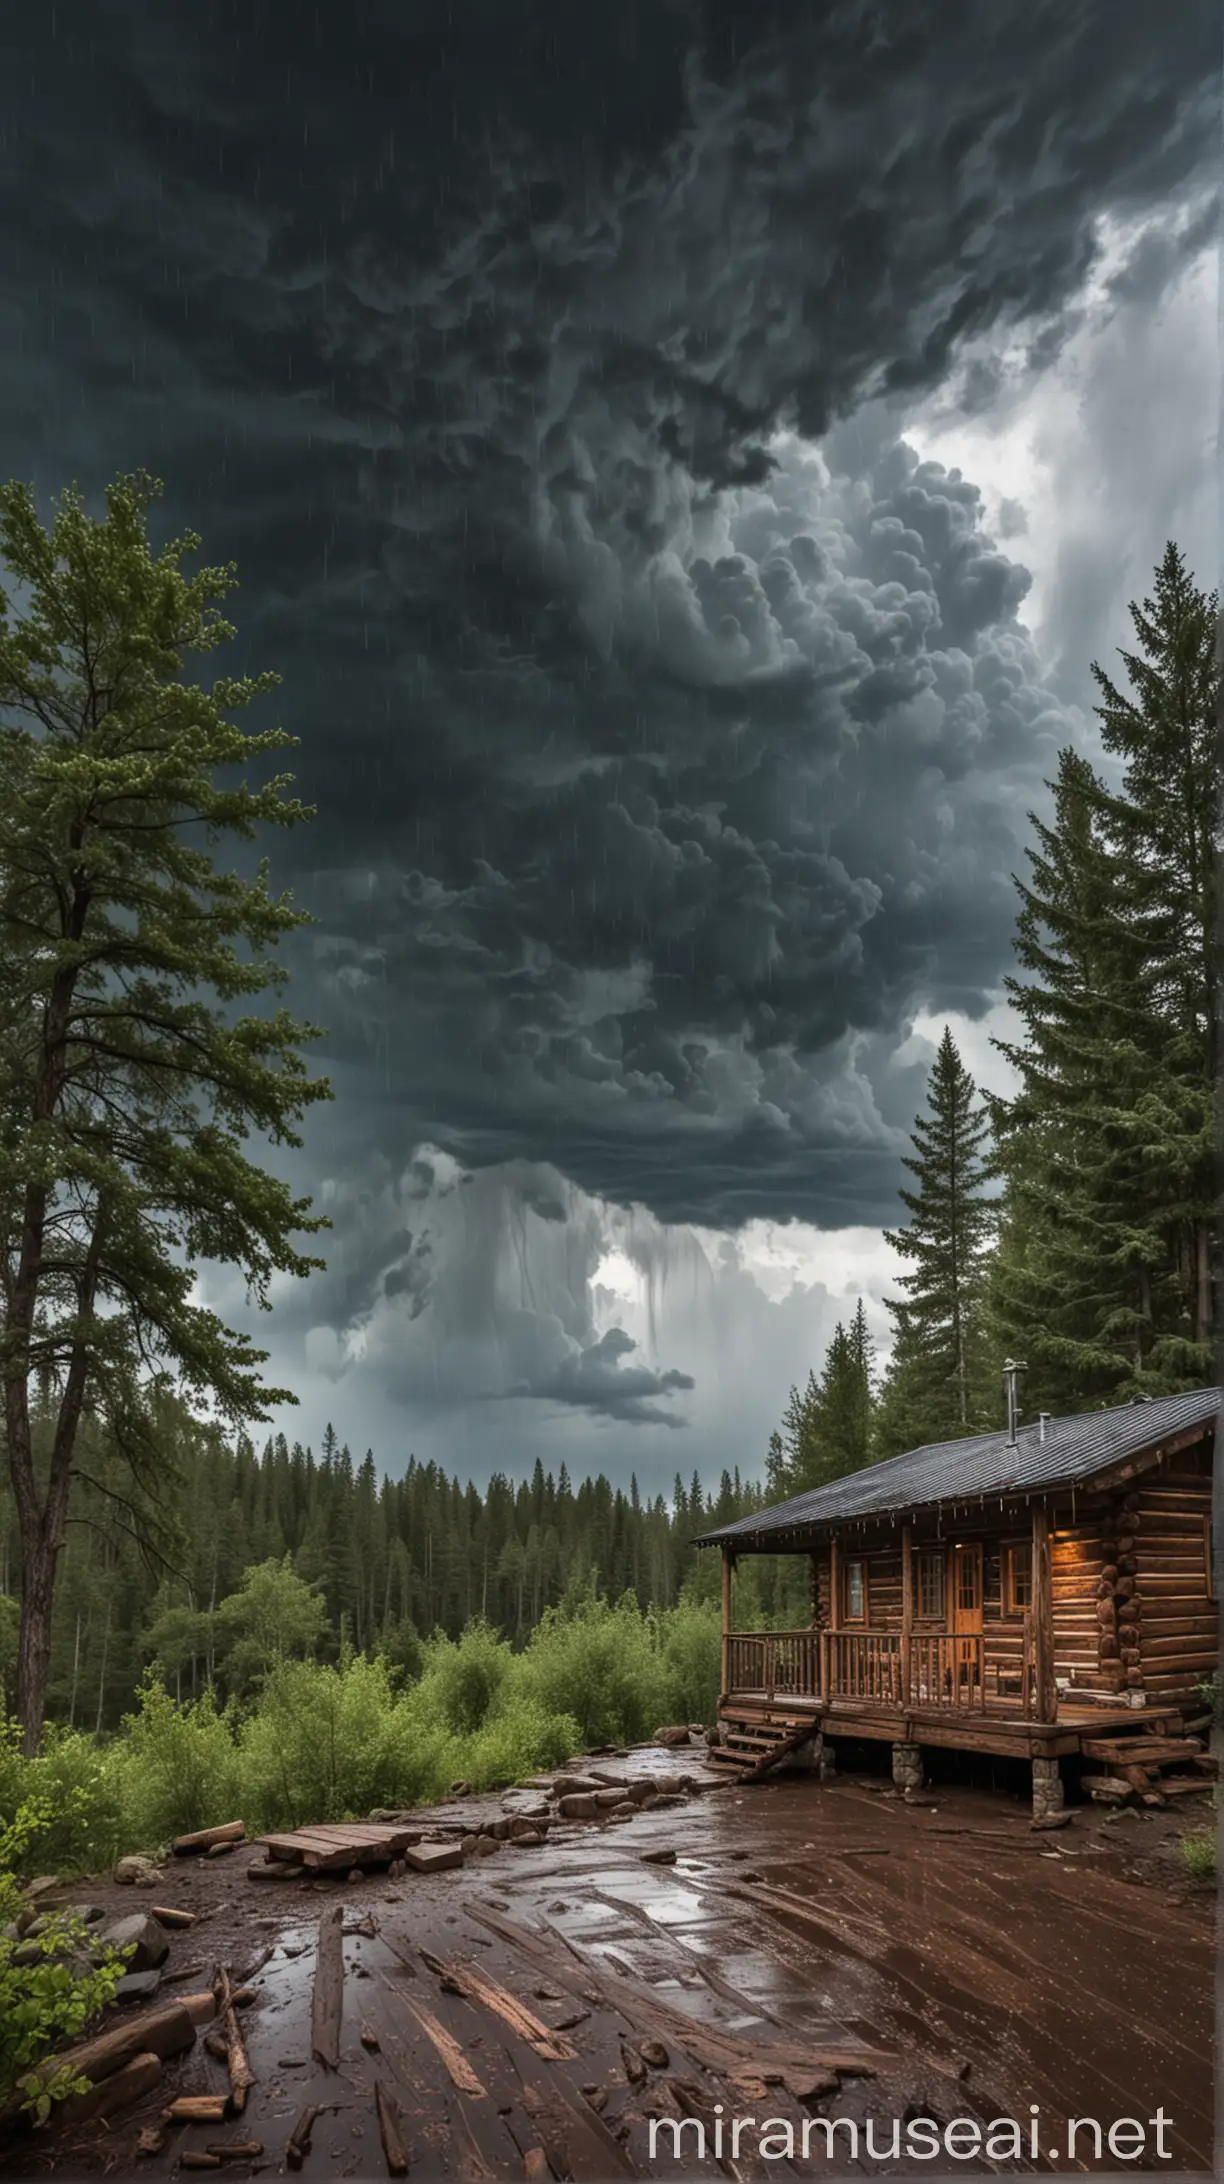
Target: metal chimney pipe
1012	1366
1043	1420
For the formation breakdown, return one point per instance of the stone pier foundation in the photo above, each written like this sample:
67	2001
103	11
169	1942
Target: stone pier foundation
907	1766
1047	1788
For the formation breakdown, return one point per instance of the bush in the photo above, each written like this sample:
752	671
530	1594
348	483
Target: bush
604	1666
692	1655
462	1682
1198	1854
327	1743
520	1739
56	1997
72	1785
177	1768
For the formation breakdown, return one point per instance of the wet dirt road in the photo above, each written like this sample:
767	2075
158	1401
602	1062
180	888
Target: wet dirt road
815	1950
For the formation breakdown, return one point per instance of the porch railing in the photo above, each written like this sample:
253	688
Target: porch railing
875	1668
781	1663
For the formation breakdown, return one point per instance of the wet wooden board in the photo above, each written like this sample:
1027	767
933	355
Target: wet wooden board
433	1857
329	1848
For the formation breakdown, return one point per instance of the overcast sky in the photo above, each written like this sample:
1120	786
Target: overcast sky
682	460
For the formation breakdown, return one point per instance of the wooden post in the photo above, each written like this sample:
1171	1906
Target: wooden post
907	1607
1046	1697
834	1584
728	1564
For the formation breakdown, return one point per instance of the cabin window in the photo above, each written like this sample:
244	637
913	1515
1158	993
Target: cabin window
1018	1578
931	1588
855	1602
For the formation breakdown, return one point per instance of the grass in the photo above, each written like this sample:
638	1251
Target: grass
1198	1853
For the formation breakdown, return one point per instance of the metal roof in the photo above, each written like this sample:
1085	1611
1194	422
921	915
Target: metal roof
1073	1450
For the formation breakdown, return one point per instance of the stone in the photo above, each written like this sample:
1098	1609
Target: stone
907	1766
149	1946
137	1871
676	1734
585	1806
1047	1788
527	1839
608	1800
486	1845
137	1986
461	1789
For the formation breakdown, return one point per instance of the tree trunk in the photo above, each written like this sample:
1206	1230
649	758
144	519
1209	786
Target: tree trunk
34	1639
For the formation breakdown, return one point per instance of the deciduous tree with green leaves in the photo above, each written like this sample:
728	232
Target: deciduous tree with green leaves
133	1071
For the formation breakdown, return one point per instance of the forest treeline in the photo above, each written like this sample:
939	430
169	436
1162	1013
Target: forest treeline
388	1561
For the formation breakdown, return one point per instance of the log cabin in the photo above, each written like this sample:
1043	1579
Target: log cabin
1037	1592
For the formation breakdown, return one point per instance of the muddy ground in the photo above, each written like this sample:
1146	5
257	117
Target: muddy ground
792	1948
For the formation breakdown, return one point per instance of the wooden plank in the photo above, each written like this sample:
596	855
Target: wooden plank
327	2001
433	1857
1143	1750
394	2151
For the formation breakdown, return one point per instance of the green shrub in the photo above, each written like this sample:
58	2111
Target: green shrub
520	1739
604	1666
691	1635
462	1681
72	1784
177	1768
326	1743
57	1996
1198	1854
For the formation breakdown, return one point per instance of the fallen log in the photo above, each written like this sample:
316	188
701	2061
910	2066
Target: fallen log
108	2095
201	2008
169	1914
196	2158
162	2032
198	2108
184	1846
236	2149
328	1998
394	2150
241	2075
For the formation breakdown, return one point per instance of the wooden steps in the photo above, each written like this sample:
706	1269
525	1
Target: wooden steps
1135	1767
754	1742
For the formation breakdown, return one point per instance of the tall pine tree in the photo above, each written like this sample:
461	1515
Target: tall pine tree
1107	1276
938	1384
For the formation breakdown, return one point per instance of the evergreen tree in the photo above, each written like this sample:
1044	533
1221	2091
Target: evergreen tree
937	1383
1107	1276
133	1069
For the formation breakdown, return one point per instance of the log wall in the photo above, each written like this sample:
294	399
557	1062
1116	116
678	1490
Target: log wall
1174	1620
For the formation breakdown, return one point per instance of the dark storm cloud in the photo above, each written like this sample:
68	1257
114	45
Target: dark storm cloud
658	761
595	1380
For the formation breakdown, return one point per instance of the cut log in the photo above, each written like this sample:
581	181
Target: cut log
162	2032
187	1845
297	2146
394	2151
236	2149
201	2008
198	2108
196	2158
328	1999
108	2095
168	1914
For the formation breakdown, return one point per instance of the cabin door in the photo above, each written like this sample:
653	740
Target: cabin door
967	1622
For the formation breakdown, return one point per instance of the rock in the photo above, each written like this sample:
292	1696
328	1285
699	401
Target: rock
608	1800
150	2140
654	2053
658	1857
137	1986
678	1733
142	1936
137	1871
486	1845
528	1839
527	1824
461	1789
33	1890
584	1806
1061	1819
578	1785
